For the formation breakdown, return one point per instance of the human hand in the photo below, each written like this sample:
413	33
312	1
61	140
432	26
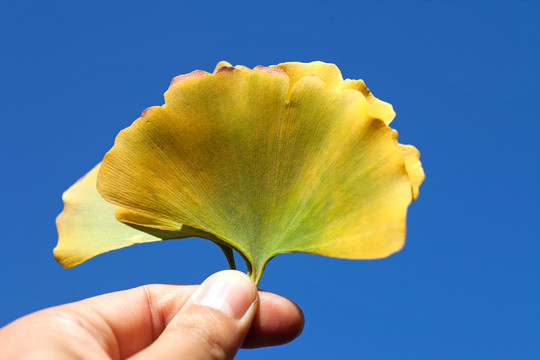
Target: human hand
210	321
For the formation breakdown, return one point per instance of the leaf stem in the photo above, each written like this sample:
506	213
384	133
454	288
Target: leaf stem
228	251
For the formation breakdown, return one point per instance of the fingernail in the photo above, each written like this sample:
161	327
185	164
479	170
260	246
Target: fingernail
229	291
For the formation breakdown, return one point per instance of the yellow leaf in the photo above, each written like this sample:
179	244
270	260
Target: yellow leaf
267	161
87	226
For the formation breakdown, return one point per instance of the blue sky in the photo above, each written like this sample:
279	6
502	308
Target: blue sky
463	78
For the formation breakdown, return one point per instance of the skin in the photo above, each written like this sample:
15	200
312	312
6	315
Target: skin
208	321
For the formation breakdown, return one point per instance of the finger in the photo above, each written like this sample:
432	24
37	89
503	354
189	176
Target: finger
133	319
114	325
278	321
212	324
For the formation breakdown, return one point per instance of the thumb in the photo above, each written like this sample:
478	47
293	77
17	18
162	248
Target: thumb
212	324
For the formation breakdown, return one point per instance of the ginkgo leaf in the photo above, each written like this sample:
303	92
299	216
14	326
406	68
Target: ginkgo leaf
267	161
87	226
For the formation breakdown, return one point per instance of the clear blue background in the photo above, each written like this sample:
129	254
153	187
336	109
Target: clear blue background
463	78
